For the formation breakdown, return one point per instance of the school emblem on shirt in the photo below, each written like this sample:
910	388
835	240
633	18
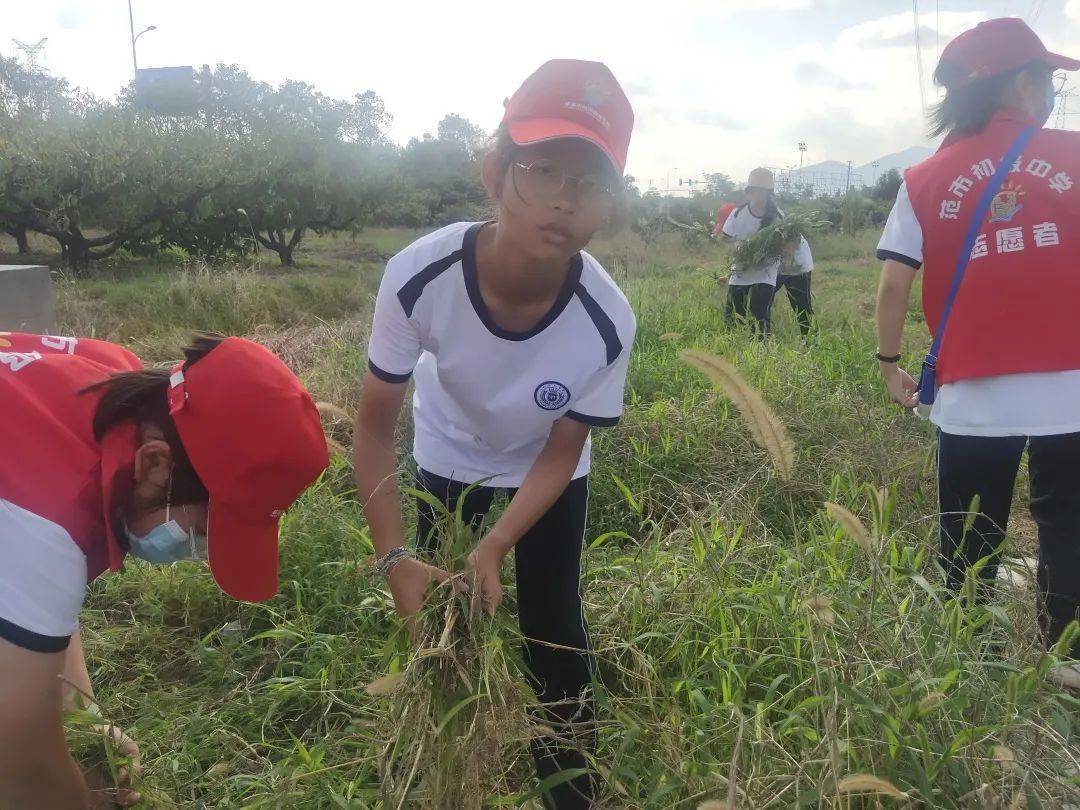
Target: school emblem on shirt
1006	203
551	395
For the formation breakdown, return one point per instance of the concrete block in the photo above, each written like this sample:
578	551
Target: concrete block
26	299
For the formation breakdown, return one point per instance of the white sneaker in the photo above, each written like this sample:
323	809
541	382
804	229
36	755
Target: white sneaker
1066	675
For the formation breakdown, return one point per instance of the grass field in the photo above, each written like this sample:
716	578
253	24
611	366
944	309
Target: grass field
750	650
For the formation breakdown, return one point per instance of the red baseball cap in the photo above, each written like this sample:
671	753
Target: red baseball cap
255	439
569	98
998	46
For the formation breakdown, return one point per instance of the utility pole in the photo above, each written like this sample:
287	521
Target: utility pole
1063	102
802	152
135	37
30	51
131	23
847	183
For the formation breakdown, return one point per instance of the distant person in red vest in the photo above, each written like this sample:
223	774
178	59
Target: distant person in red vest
1008	366
103	458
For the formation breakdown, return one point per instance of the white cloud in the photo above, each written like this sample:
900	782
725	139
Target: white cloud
716	85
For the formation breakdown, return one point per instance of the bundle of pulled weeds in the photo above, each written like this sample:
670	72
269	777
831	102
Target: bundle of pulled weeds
778	241
456	714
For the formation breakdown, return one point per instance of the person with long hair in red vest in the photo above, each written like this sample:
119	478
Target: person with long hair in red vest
993	221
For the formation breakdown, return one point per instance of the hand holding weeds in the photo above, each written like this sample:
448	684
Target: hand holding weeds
104	790
483	571
409	581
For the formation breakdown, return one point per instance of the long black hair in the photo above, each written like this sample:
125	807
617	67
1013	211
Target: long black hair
142	397
772	210
968	106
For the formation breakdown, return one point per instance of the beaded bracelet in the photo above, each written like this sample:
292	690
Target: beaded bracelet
384	565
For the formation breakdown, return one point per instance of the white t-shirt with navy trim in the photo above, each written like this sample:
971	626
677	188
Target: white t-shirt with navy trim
1045	403
742	224
42	580
485	397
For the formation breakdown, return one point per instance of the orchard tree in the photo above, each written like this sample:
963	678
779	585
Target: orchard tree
718	184
318	186
444	173
454	129
887	185
112	176
29	96
307	162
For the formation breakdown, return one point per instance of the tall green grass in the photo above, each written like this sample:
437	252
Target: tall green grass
747	645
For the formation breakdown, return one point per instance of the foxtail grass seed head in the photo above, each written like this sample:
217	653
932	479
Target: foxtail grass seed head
868	783
821	608
852	526
329	410
930	701
765	427
1005	756
386	684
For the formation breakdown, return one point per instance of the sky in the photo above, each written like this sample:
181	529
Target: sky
716	85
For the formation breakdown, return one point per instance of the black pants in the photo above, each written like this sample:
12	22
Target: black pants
757	297
547	562
798	290
987	466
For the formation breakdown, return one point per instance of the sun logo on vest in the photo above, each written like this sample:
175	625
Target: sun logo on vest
551	395
4	342
1006	203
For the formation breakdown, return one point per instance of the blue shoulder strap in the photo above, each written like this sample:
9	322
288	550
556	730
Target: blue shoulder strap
928	379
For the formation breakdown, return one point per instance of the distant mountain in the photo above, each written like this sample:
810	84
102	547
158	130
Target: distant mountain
831	175
897	160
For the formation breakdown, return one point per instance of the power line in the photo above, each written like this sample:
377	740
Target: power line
937	27
918	56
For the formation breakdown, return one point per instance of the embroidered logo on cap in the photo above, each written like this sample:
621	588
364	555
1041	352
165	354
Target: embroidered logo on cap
595	94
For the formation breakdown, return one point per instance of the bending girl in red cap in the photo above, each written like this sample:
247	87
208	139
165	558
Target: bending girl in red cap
993	218
103	458
519	341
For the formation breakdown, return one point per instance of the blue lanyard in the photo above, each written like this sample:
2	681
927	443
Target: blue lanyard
928	379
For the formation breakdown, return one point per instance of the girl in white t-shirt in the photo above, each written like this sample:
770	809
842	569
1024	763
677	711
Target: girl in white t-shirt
519	344
752	289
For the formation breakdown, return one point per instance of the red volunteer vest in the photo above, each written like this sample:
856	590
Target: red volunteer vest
51	463
1016	309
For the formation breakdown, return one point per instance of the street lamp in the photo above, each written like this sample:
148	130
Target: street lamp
135	37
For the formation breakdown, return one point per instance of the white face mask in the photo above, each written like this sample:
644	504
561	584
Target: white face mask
167	542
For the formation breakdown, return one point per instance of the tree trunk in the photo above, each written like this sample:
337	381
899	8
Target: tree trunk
78	255
284	253
18	233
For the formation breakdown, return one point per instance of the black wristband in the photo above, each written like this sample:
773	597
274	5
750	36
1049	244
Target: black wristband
883	359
